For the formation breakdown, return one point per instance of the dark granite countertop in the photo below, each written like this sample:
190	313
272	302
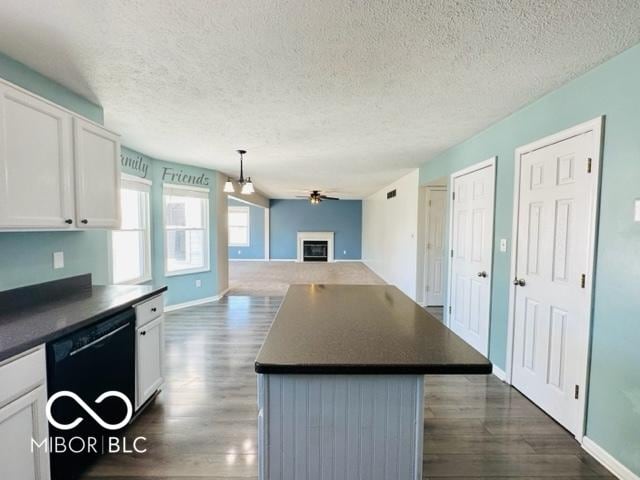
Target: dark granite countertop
361	329
31	316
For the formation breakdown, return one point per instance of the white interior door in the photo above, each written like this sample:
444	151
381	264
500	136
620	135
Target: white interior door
550	338
471	245
436	252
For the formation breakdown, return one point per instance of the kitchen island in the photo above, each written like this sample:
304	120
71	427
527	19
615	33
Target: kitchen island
341	383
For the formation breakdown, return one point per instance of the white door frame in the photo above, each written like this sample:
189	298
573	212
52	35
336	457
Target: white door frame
425	246
491	162
595	126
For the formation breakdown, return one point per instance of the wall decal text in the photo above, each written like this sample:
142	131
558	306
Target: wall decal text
136	163
178	176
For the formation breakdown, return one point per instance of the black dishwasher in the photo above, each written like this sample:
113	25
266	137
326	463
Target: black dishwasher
87	363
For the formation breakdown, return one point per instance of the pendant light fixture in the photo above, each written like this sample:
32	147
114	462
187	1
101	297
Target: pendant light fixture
245	184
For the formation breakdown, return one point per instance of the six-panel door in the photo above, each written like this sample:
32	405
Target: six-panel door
550	325
472	243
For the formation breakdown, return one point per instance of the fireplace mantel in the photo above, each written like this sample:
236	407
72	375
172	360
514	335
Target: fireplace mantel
326	236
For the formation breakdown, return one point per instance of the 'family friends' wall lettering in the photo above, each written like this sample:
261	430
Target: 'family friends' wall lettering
136	163
178	176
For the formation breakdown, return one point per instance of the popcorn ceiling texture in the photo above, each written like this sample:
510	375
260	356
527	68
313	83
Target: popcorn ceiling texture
344	96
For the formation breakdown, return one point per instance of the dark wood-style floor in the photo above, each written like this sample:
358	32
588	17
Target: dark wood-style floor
203	424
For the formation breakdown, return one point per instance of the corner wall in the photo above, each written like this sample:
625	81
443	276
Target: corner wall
27	257
390	233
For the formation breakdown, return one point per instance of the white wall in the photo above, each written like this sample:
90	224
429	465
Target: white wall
389	233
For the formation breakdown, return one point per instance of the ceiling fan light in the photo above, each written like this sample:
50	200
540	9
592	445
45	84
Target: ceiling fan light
228	186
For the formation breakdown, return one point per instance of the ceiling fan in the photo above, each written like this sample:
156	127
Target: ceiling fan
316	197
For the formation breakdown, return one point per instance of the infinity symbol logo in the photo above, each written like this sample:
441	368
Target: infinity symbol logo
89	410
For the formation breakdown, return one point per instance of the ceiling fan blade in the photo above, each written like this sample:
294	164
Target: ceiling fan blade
302	196
329	198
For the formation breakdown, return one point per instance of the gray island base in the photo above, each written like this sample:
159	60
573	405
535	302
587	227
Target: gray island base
341	383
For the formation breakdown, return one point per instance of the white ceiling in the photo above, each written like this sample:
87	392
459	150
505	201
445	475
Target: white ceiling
342	96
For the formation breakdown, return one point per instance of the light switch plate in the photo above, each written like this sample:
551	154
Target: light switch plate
637	211
198	283
503	244
58	260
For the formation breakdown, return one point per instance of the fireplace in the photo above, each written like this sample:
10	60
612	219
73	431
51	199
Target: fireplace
315	251
315	247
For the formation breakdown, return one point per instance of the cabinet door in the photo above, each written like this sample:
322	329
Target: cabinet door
97	162
36	166
149	359
21	421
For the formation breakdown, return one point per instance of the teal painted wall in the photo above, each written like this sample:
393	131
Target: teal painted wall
27	258
21	75
612	89
255	250
182	288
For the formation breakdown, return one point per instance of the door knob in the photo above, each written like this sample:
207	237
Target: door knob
68	221
482	274
519	282
84	220
144	332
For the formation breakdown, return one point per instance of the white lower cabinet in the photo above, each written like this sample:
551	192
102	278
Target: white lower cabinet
149	352
23	420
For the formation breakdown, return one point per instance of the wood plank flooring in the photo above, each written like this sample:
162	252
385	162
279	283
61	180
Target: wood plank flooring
203	424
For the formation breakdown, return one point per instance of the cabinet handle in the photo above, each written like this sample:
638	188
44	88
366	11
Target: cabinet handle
154	309
144	332
68	221
84	220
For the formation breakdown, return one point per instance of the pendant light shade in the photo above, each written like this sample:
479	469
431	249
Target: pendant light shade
247	188
228	186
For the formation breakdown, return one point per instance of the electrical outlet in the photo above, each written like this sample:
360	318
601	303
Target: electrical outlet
198	283
637	212
503	244
58	260
344	252
239	252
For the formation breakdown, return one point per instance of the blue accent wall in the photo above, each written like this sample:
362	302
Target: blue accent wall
288	217
611	89
255	250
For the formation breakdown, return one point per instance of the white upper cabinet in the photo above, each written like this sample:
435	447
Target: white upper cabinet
97	162
57	171
36	163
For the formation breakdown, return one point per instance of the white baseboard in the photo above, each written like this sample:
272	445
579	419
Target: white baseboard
606	459
283	260
352	260
193	303
498	372
248	260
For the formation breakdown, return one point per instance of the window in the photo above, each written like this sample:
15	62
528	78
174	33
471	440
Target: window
186	224
239	227
131	245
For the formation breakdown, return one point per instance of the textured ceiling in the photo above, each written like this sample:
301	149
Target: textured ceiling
343	96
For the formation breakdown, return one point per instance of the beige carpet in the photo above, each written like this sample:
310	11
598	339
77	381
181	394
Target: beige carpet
274	278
